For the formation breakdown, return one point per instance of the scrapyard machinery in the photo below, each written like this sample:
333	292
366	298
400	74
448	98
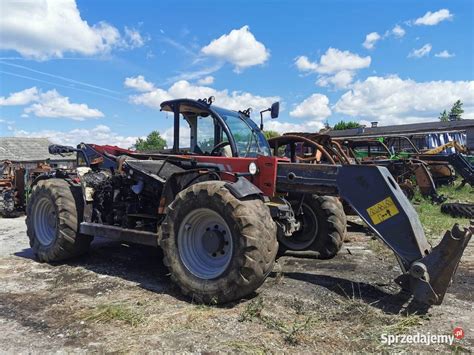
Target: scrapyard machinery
439	163
12	187
409	172
320	148
15	183
218	208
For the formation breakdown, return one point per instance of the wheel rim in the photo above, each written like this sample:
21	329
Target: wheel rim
45	221
205	243
306	236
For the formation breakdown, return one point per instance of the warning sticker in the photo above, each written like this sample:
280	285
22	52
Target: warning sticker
382	211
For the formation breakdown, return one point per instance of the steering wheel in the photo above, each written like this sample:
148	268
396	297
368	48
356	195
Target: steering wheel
218	146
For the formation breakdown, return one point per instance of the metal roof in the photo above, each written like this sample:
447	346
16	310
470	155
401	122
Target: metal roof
414	128
20	149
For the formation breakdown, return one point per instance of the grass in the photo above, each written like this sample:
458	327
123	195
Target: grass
252	310
291	331
245	347
436	223
109	312
404	324
298	306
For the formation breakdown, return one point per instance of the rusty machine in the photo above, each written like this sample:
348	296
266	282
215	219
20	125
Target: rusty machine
15	184
319	148
12	189
442	166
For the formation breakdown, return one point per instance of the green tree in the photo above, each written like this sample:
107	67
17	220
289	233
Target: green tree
153	141
443	116
346	125
456	111
271	134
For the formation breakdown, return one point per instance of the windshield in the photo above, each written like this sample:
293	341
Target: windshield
248	138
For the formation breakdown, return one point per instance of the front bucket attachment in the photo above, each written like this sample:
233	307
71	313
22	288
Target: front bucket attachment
429	278
379	201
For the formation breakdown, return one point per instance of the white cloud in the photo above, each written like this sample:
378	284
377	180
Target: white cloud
371	39
433	18
340	81
235	100
335	60
335	67
133	38
100	134
316	107
304	64
239	47
49	104
138	83
420	52
208	80
52	104
445	54
398	31
23	97
392	100
151	99
285	127
50	28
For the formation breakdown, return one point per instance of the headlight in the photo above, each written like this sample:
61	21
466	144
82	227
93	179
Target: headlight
253	168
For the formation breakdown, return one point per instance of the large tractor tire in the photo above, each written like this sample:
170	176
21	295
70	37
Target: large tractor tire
217	248
460	210
54	212
323	227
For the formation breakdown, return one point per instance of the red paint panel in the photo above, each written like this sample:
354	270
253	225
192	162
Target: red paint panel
265	179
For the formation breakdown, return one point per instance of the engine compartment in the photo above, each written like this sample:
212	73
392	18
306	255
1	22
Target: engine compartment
130	196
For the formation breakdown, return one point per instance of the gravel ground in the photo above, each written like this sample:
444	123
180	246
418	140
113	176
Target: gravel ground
119	298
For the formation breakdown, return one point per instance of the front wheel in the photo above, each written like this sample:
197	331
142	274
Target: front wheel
53	215
323	226
217	248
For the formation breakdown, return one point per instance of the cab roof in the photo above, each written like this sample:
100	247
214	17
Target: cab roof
191	106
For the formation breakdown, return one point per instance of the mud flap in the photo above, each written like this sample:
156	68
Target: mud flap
429	278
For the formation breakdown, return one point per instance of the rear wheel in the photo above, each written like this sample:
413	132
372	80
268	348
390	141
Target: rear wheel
54	213
218	248
323	226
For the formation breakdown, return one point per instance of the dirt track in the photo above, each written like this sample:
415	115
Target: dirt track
119	298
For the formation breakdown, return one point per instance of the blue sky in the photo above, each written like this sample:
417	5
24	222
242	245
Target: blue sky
97	70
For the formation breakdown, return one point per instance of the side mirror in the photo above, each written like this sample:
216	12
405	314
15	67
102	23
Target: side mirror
275	109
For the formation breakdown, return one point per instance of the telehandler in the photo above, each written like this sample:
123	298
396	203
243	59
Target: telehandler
219	207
